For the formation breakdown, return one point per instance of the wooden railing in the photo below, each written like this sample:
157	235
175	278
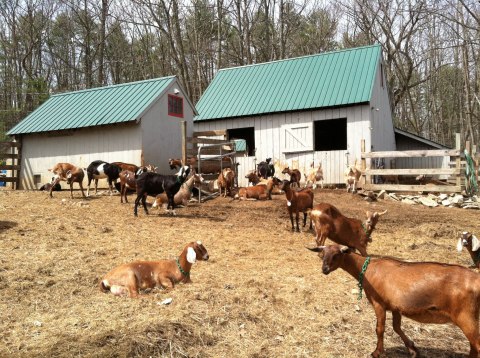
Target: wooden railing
11	155
438	186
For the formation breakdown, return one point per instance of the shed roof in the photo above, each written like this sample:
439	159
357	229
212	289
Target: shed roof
324	80
93	107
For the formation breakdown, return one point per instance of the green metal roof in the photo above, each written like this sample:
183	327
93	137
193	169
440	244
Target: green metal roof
94	107
324	80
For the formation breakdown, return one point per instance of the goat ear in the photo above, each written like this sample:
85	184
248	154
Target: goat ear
459	245
368	214
475	243
345	250
191	255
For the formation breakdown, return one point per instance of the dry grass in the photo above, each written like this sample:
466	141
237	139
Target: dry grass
261	294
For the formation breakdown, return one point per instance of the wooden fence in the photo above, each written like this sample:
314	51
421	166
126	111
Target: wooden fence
10	159
455	173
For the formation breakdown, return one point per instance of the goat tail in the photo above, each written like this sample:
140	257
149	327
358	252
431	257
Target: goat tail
104	286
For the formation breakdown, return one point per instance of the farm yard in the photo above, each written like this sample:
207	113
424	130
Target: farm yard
261	293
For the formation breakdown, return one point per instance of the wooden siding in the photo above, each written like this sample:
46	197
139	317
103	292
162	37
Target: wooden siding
161	133
405	143
268	139
382	132
109	143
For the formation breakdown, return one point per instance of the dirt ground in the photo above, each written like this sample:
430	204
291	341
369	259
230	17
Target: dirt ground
261	294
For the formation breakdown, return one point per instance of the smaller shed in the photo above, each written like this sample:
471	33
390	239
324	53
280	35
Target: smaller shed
410	141
136	122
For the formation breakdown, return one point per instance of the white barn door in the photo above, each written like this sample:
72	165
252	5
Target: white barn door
297	137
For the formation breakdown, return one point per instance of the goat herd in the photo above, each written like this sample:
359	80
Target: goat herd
428	292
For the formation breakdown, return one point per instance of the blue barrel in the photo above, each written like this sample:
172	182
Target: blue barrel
3	173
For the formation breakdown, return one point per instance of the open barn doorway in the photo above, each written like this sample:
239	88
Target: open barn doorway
248	134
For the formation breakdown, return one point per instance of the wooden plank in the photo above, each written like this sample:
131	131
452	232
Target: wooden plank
206	140
413	153
8	145
9	155
8	180
414	188
419	171
208	151
210	133
458	161
9	167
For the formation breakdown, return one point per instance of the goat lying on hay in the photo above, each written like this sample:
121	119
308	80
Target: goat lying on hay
427	292
128	279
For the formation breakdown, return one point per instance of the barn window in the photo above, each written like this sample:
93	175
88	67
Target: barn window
248	134
175	106
331	134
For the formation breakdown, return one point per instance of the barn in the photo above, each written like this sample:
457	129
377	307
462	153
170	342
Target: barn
136	122
297	111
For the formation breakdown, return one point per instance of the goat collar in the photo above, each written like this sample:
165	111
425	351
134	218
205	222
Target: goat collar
182	271
360	277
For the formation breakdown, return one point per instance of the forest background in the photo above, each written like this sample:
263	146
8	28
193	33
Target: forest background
431	49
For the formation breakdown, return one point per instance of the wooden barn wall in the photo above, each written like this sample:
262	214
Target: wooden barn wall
162	137
110	143
382	131
268	140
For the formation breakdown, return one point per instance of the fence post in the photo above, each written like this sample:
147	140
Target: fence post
363	164
458	161
184	141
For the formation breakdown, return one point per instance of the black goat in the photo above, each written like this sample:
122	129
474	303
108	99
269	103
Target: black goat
48	186
265	169
153	184
98	169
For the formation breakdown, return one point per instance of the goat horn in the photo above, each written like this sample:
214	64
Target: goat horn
382	213
315	249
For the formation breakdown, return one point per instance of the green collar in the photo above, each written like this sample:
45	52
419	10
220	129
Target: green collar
366	232
186	274
360	277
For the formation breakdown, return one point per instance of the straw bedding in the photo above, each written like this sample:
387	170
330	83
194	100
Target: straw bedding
261	294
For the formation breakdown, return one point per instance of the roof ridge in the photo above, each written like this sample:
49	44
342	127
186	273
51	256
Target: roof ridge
301	57
110	86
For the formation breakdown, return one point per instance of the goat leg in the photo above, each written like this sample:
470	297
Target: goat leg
144	203
291	220
297	214
381	314
81	188
55	182
397	323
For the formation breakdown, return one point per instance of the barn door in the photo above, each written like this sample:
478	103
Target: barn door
297	137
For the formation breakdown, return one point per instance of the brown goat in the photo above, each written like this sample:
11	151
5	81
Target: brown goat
352	177
226	180
298	201
259	192
330	223
472	244
427	292
69	173
254	178
314	175
295	176
127	166
128	279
